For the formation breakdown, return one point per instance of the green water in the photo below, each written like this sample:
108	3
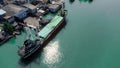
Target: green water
91	39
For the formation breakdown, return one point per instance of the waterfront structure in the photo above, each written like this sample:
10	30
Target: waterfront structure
14	11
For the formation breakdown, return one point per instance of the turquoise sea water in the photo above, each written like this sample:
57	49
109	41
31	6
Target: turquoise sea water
90	39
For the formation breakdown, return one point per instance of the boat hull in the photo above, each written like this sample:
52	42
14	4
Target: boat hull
49	37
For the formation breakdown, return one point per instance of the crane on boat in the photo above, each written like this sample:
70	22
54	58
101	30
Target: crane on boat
31	33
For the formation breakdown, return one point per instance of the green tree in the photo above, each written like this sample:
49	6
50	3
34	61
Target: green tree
8	28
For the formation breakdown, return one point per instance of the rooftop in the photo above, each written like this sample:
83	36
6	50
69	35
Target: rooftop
32	22
29	6
11	9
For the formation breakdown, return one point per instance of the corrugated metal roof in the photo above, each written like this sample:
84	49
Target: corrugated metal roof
50	26
12	9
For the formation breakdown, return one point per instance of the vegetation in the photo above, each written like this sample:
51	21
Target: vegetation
8	28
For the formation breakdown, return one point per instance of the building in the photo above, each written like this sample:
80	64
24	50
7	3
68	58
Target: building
22	14
14	12
3	2
54	8
2	13
32	8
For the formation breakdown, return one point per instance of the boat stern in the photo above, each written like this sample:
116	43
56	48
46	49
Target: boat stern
21	51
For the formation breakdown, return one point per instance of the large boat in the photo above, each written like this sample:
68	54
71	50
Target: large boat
29	47
44	36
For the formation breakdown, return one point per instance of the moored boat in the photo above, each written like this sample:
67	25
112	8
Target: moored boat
29	48
44	36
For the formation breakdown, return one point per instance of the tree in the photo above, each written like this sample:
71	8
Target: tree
8	28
